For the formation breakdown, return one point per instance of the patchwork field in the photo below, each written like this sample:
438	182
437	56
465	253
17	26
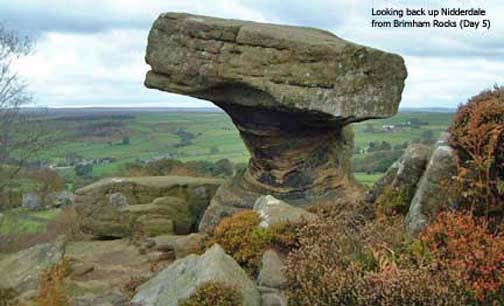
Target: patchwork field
120	137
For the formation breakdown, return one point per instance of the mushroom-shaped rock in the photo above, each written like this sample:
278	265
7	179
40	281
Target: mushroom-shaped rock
291	92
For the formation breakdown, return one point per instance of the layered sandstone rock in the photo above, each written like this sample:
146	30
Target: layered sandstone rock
291	92
115	207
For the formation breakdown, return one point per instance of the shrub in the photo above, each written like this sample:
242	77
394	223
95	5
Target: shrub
214	294
344	260
241	237
7	296
477	135
52	287
246	242
393	201
464	247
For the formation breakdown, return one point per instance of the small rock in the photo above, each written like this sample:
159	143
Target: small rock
182	245
31	201
59	199
273	211
272	273
273	299
81	269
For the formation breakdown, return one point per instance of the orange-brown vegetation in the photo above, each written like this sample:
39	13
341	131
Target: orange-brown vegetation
470	254
477	135
214	294
246	242
52	285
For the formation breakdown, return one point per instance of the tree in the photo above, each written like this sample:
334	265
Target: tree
20	134
83	169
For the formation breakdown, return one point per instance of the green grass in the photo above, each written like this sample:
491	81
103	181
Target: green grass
19	221
367	179
152	135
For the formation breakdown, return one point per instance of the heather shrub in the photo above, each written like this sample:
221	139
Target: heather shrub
477	135
393	201
245	241
347	260
7	296
52	286
214	294
463	246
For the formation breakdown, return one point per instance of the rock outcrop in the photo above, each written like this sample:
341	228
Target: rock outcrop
403	176
114	208
180	280
433	190
291	91
21	270
273	211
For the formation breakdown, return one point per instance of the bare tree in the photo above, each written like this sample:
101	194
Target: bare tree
20	134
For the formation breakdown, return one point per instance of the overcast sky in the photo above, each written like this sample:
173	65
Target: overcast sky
91	52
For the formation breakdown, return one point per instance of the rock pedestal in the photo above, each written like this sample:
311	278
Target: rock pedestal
291	92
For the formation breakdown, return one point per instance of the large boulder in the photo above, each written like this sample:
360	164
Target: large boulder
274	211
115	207
180	280
21	270
399	182
433	190
291	92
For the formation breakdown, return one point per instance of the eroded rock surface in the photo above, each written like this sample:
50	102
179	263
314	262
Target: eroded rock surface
21	270
115	207
291	92
404	174
433	190
180	280
274	211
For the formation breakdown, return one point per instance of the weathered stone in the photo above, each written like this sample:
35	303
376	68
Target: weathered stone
32	201
291	92
21	270
272	272
154	225
403	175
113	298
273	211
181	245
110	207
433	189
2	217
180	280
274	299
59	199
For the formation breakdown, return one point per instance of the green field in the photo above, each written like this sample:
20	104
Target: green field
19	221
212	137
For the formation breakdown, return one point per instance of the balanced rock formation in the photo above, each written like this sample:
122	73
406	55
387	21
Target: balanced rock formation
291	92
115	207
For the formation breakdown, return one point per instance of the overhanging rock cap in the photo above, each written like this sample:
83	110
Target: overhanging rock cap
286	68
